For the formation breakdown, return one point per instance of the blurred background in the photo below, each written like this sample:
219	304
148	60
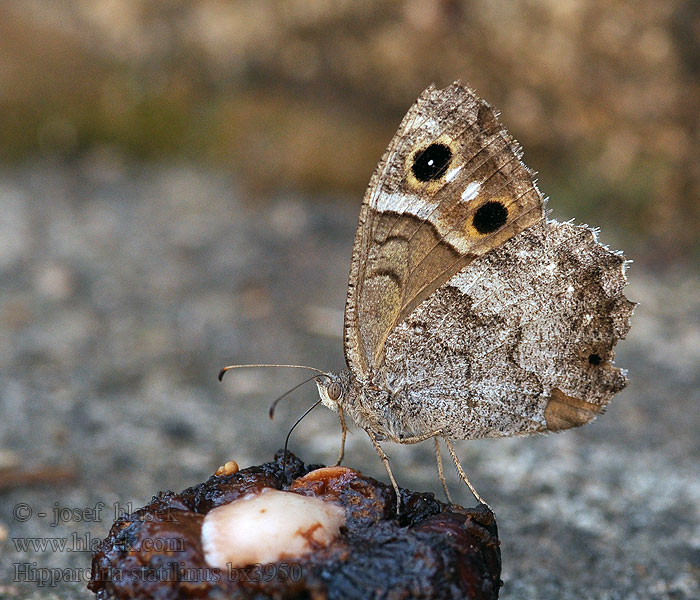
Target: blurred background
179	188
304	96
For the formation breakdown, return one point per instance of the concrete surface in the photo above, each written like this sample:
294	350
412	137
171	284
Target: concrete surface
125	290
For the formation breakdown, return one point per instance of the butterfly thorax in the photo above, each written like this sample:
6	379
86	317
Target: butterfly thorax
365	402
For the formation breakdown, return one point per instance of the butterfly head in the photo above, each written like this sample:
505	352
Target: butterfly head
334	389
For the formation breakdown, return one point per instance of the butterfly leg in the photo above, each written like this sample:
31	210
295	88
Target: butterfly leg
341	454
418	438
441	473
461	472
385	460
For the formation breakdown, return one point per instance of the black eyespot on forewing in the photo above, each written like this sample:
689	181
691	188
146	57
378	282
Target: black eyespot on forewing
594	358
432	162
490	217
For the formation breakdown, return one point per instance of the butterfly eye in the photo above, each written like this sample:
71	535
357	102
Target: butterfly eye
490	217
334	391
432	162
595	359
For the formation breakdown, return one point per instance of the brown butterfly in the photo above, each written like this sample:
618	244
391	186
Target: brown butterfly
468	313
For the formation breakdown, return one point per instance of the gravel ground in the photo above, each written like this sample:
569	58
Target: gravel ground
124	291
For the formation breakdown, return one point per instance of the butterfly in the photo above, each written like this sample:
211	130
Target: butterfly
469	314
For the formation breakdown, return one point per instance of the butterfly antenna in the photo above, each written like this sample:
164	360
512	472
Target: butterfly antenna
296	387
286	440
225	369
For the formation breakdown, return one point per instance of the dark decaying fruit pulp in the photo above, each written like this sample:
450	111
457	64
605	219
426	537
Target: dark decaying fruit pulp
433	550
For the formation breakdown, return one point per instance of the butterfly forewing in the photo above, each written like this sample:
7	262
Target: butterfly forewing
450	187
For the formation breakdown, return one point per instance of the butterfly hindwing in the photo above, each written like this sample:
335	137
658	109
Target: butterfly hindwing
519	341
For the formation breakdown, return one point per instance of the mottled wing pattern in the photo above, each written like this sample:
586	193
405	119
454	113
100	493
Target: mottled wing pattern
519	341
450	187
